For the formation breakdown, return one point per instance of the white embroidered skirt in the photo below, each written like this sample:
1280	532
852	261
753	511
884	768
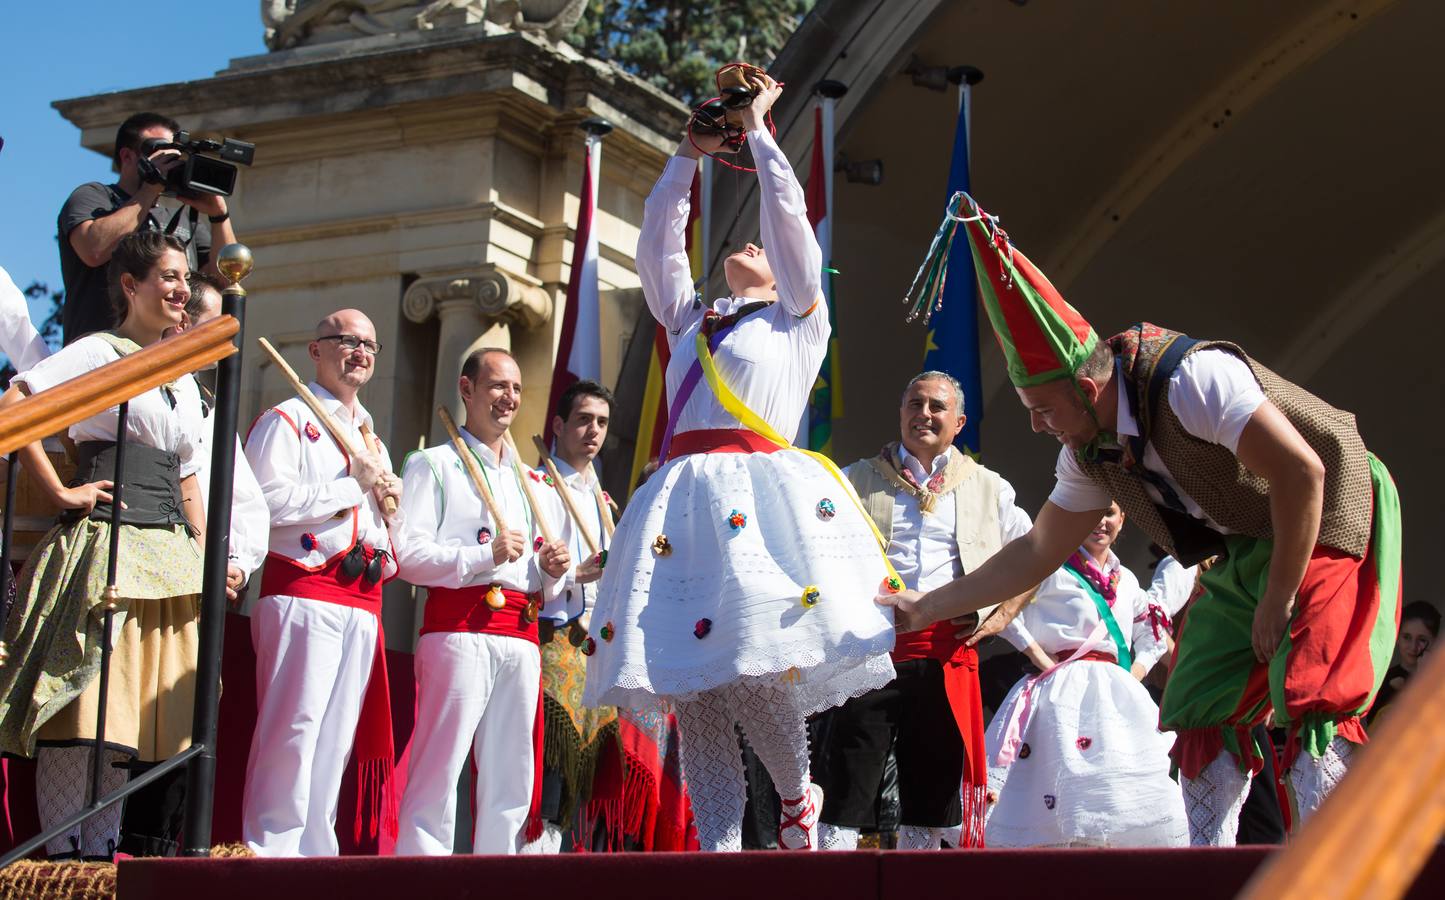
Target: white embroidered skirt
1096	768
748	533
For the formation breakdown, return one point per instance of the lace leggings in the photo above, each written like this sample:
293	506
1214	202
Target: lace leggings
62	785
1214	799
712	759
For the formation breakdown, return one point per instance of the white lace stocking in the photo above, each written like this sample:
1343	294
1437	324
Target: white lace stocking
777	732
919	837
713	765
837	837
1313	779
62	785
1213	802
712	759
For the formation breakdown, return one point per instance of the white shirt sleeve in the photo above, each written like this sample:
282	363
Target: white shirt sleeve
1214	394
661	258
1172	585
273	449
1013	522
250	518
1073	490
788	239
1017	633
1147	647
421	559
18	338
85	355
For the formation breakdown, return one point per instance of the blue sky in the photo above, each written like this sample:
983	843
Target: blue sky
54	51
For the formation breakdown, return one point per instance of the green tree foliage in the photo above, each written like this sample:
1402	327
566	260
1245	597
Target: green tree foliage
678	44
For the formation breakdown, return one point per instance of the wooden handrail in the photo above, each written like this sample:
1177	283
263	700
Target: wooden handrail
1376	830
56	409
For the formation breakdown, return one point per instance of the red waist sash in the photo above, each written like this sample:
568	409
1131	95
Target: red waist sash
452	610
1091	656
719	440
960	684
286	577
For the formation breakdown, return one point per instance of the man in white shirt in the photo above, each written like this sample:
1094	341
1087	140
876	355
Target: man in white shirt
576	735
478	669
1208	452
320	660
943	515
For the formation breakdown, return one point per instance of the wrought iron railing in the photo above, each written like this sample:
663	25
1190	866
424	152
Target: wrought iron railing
50	411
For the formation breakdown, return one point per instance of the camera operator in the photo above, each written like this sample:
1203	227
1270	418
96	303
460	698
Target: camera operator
96	216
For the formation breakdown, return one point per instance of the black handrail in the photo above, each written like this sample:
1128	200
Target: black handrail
201	775
111	602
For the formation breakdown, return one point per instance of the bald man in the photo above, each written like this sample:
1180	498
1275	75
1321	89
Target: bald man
320	665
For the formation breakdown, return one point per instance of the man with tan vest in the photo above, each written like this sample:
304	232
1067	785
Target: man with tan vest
943	514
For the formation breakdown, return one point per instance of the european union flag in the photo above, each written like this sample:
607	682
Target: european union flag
952	345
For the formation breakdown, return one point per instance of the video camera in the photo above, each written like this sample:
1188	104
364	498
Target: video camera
197	174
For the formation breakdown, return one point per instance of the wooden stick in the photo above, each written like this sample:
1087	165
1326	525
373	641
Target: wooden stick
565	493
469	462
525	482
606	506
328	420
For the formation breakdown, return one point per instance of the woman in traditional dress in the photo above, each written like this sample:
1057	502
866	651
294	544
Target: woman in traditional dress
49	689
1076	757
738	580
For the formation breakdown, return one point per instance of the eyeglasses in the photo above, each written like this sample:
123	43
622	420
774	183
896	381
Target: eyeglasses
350	343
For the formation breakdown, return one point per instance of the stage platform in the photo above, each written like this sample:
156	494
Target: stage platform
1203	874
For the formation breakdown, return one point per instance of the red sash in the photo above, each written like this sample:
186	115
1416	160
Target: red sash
374	752
960	683
719	440
451	610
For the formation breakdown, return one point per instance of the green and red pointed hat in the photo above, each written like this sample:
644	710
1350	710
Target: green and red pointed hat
1042	336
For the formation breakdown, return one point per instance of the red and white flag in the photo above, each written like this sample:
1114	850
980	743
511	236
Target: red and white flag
579	350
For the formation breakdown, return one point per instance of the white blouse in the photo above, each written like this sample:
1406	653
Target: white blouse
153	420
1062	617
771	359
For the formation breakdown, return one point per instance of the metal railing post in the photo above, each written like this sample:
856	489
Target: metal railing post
7	535
234	262
111	602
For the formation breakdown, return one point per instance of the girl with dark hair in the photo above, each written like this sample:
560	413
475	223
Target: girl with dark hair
1419	627
49	694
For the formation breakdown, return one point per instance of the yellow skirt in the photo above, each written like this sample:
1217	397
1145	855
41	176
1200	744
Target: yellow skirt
152	690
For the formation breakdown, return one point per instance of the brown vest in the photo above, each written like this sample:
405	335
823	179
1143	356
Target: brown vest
1212	475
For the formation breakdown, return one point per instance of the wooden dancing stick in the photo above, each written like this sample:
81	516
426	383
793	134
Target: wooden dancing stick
469	462
328	420
565	493
522	479
606	506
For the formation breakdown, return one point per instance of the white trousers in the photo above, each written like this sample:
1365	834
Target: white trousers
313	662
477	695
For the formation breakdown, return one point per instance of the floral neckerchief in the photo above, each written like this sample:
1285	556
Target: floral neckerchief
1106	584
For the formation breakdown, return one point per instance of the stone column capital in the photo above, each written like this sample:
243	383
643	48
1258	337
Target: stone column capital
496	296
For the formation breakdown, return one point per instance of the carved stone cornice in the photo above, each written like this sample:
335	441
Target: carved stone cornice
497	296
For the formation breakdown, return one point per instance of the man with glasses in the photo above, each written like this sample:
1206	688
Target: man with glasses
317	625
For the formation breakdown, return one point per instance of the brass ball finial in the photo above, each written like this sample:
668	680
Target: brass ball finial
235	262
